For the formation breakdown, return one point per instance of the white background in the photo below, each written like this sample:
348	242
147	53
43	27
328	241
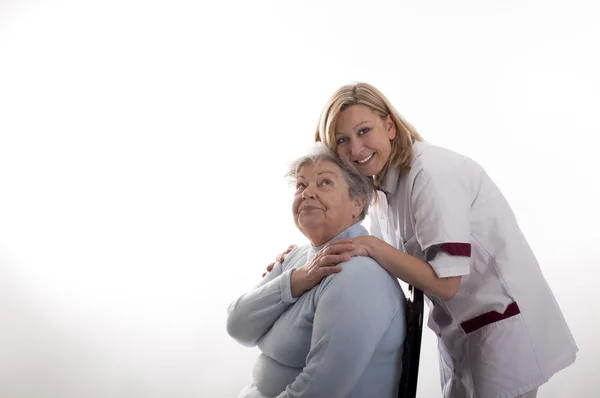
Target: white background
143	146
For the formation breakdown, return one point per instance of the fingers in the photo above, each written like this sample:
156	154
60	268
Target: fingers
269	269
342	241
332	259
337	248
281	257
324	271
315	273
318	274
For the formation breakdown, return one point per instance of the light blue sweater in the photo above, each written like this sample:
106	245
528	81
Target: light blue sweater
343	338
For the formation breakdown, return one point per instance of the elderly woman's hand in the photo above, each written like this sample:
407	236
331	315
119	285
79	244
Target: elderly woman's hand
280	258
324	263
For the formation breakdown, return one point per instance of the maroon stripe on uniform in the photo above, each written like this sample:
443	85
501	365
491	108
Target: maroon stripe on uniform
457	249
490	317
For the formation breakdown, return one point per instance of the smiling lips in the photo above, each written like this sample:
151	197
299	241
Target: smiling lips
309	208
365	159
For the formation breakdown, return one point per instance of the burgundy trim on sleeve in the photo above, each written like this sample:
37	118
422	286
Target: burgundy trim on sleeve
457	249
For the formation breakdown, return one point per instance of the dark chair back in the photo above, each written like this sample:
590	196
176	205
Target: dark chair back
412	345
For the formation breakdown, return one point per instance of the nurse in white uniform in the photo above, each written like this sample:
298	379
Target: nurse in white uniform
443	226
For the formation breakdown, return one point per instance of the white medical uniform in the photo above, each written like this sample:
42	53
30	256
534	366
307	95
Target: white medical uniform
503	333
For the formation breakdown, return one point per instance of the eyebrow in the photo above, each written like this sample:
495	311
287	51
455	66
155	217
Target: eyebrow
322	172
361	123
328	172
355	127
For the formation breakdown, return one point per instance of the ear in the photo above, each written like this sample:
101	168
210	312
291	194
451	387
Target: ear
390	127
359	205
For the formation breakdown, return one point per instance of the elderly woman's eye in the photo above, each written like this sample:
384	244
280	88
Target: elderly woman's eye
300	185
325	182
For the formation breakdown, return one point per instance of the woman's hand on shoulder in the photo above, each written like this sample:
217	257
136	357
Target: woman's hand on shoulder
280	258
324	263
359	246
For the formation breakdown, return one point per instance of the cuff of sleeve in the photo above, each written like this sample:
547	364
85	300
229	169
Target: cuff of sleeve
446	265
285	284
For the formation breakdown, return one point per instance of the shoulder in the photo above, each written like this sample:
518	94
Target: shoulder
363	273
431	160
435	165
364	283
296	258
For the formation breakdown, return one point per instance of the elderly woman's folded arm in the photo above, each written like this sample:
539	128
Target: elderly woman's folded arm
252	314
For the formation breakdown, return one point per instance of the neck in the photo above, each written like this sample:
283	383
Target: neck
320	236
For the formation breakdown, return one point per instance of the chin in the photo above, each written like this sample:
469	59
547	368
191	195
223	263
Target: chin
368	171
310	224
307	225
376	169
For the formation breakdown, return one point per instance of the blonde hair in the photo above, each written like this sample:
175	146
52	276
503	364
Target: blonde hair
367	95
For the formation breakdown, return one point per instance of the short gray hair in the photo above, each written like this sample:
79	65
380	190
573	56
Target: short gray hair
359	186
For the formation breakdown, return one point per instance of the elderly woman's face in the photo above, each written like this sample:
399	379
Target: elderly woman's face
322	205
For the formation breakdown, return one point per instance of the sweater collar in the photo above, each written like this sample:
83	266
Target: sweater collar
352	231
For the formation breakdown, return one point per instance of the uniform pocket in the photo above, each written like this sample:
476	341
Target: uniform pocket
501	357
490	317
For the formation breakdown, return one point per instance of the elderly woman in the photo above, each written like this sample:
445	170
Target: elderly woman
323	330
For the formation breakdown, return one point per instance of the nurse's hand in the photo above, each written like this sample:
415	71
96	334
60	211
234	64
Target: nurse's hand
280	258
359	246
324	263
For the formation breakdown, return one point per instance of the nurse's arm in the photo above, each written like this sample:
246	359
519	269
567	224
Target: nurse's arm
441	204
410	269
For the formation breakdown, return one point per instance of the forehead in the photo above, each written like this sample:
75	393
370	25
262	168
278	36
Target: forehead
350	117
319	167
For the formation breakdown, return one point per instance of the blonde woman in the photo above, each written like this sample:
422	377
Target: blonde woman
443	226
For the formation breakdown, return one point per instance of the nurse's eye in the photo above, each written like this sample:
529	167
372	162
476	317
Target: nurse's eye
364	130
341	140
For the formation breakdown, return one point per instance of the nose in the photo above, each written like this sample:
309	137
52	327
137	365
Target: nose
309	192
355	147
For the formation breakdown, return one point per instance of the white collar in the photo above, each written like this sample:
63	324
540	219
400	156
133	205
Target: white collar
393	175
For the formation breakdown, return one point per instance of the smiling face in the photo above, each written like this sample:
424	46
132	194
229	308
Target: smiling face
322	205
363	138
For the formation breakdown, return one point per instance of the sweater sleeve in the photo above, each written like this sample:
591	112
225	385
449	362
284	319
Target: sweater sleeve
252	315
353	312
